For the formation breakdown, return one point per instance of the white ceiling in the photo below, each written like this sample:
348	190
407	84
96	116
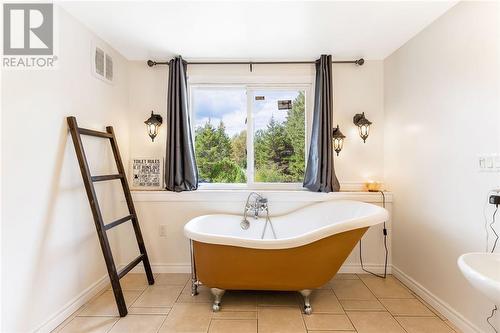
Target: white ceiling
256	30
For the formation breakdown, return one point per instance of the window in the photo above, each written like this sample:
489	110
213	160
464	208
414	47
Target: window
251	136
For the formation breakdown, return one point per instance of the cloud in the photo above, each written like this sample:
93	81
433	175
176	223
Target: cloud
230	104
215	102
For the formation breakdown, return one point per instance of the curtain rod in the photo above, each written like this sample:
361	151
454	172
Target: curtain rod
358	62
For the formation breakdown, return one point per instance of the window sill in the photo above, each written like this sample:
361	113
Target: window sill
237	195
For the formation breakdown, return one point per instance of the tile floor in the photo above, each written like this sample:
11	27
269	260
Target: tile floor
348	303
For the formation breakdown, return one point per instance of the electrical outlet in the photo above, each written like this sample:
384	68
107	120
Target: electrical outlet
488	162
163	230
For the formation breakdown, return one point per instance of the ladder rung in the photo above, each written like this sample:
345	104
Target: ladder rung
118	222
129	267
86	131
106	177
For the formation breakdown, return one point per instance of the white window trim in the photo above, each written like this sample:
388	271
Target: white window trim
251	88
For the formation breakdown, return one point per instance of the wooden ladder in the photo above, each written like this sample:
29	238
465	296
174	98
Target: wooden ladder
101	228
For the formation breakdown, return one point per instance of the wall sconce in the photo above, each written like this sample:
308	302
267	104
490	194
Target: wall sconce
152	124
338	140
363	125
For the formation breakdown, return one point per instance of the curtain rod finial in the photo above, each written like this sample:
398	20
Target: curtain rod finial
151	63
360	62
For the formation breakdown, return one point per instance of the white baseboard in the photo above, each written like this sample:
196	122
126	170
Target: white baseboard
59	317
444	308
186	268
163	268
356	268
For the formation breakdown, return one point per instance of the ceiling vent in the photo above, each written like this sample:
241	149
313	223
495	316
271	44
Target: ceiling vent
102	64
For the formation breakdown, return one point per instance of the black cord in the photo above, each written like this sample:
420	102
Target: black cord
385	247
493	250
491	316
494	231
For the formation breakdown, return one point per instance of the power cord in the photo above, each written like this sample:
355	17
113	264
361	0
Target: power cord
493	229
495	308
385	247
491	316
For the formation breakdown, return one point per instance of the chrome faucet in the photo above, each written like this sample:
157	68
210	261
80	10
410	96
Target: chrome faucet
255	207
258	205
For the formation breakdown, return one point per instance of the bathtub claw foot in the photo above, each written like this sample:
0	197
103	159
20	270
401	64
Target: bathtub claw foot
307	305
194	289
218	293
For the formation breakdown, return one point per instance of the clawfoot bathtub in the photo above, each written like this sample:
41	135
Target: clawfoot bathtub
310	246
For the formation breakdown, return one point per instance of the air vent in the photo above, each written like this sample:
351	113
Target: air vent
99	61
109	67
102	64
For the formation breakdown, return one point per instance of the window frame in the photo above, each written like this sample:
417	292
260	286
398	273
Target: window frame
250	89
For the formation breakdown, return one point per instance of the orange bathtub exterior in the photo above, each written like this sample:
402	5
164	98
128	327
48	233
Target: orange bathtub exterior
305	267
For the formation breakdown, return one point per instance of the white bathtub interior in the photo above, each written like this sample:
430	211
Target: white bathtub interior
300	227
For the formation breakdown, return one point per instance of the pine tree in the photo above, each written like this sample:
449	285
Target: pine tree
296	130
213	155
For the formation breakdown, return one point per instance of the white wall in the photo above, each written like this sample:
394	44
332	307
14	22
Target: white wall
357	89
50	251
442	109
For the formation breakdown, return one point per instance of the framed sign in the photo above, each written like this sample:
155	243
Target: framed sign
147	173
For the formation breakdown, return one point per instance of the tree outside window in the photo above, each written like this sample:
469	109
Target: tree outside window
278	136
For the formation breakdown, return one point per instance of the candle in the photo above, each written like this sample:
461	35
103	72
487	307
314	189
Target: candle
373	186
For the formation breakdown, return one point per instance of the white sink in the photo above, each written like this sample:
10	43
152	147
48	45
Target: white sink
482	270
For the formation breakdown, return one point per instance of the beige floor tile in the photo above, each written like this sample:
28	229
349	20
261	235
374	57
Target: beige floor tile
70	318
133	281
276	298
436	312
232	326
314	331
424	325
224	314
89	325
105	304
187	317
452	326
280	320
374	322
149	310
204	295
239	301
324	321
346	276
340	276
158	296
406	307
386	288
361	305
138	323
351	289
173	279
325	301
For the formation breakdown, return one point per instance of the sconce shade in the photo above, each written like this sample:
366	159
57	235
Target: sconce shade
152	125
363	125
338	140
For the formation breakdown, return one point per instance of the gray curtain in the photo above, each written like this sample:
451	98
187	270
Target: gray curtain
320	173
181	173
